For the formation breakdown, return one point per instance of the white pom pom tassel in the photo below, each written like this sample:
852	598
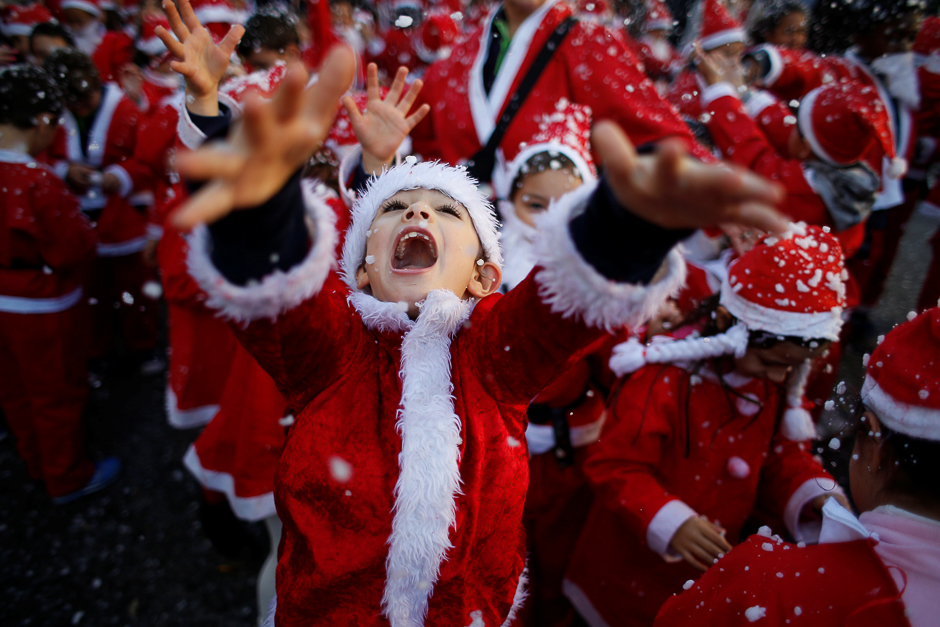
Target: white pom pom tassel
631	355
797	424
898	168
628	357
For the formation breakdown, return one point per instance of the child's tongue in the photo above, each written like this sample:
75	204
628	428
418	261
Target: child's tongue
414	252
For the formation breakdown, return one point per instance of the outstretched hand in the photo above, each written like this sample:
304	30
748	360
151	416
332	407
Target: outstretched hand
716	67
385	123
671	189
273	140
203	62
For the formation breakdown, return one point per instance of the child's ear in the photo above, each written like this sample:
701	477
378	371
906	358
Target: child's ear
362	278
486	280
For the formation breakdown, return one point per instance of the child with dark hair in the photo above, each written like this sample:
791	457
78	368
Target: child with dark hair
882	568
46	38
778	22
270	36
45	246
94	153
708	429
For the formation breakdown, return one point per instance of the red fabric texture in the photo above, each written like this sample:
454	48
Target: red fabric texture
685	94
342	382
640	465
930	292
114	52
574	73
740	141
843	583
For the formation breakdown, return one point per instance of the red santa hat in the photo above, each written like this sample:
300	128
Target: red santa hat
435	37
20	20
88	6
927	41
410	174
658	17
718	27
902	381
566	131
148	42
217	12
842	120
792	286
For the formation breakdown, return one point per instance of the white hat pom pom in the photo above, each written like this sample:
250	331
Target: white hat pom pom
798	425
628	357
898	168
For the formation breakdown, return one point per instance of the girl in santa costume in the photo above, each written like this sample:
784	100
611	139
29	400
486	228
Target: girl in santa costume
402	481
882	568
706	429
567	416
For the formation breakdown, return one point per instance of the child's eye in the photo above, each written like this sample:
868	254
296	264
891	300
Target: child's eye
449	209
394	205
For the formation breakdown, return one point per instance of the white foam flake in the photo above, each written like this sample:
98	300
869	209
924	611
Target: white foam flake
755	613
340	469
688	584
767	546
834	444
512	442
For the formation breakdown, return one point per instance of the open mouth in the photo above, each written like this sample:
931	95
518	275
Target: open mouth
414	250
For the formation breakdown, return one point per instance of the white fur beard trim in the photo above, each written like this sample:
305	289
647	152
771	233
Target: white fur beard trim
278	291
572	287
429	478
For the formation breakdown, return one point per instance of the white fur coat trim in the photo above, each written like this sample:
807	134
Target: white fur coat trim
574	288
451	181
429	470
278	291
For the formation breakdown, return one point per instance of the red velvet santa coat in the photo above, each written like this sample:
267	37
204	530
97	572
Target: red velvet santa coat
685	94
404	475
593	67
740	141
647	484
157	89
841	581
114	52
112	139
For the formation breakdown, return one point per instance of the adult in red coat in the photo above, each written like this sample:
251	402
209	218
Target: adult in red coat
593	66
46	246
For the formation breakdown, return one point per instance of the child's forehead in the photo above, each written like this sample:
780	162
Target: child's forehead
430	196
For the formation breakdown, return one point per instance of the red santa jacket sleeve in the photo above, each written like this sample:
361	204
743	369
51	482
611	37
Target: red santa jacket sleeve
790	479
119	154
623	465
740	141
63	233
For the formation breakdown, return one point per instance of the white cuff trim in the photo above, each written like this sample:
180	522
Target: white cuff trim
187	130
713	92
187	418
278	291
572	287
664	525
127	185
759	101
801	497
932	64
346	168
929	209
61	169
776	64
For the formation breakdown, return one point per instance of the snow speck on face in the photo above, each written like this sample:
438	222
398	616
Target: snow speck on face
370	259
340	469
755	613
688	584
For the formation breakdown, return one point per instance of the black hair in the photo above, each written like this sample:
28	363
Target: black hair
917	459
269	30
540	162
51	29
835	22
766	15
75	74
25	91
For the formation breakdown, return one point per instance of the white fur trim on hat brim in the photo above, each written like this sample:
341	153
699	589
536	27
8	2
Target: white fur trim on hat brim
152	46
718	90
278	291
805	122
503	183
220	14
823	325
722	37
450	181
573	288
913	420
87	7
17	30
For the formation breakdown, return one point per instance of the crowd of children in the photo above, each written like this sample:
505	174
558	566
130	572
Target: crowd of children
516	313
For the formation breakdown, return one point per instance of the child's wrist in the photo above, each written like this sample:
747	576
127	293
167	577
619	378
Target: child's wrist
373	164
203	104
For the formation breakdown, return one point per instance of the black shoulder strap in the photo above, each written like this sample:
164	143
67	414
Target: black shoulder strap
480	166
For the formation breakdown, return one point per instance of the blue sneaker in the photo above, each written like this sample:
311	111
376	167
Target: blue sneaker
106	473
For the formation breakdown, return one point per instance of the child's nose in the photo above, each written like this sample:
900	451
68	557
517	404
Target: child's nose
415	211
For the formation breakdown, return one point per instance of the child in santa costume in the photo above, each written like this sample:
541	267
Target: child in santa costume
878	569
17	24
94	153
653	49
402	481
778	22
46	245
716	31
708	428
568	415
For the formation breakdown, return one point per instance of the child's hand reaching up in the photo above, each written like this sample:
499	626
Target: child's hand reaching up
671	189
381	129
699	542
274	139
203	62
